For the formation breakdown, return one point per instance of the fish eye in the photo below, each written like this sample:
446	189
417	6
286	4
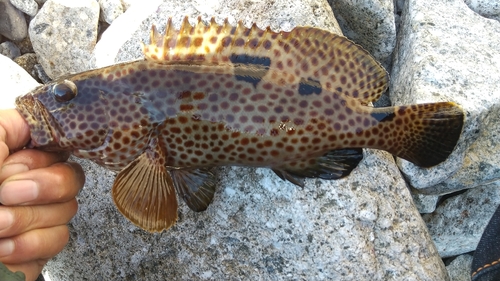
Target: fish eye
64	91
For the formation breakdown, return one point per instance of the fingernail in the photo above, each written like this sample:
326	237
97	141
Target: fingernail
17	192
6	247
6	219
12	169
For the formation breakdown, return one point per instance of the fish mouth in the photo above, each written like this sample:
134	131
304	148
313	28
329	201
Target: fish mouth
39	121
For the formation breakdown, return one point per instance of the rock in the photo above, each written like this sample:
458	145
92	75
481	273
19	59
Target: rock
425	203
12	22
28	62
14	80
446	52
9	50
371	24
459	268
363	227
111	9
29	7
127	3
25	45
63	34
486	8
457	225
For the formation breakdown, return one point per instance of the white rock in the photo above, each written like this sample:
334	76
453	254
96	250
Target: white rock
486	8
63	34
446	52
457	225
111	9
370	24
15	81
29	7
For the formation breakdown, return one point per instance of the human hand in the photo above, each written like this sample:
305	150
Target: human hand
37	192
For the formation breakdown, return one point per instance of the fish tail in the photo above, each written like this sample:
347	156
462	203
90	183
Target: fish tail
424	134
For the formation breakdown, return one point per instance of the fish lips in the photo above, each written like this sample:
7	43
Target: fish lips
42	128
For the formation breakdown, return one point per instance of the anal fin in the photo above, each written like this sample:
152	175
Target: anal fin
195	186
335	164
144	192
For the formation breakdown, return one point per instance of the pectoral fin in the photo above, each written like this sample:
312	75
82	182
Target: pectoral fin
144	192
196	187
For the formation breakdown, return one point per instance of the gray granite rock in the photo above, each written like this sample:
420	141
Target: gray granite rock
370	24
457	225
15	81
446	52
459	268
9	50
111	9
12	22
63	34
364	227
425	203
486	8
29	7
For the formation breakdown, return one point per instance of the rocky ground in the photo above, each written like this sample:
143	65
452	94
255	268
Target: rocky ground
367	226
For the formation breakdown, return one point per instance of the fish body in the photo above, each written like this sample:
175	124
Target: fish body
220	95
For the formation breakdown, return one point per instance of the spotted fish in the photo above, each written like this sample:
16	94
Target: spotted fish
217	95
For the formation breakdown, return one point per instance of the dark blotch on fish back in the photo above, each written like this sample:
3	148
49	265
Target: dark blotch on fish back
247	59
309	87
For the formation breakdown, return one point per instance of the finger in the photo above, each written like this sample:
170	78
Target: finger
29	159
57	183
20	219
14	132
33	245
30	269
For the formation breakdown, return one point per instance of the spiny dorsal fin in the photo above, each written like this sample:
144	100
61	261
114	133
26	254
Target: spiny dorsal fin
310	53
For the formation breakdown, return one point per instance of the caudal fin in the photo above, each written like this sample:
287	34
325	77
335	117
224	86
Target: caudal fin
424	134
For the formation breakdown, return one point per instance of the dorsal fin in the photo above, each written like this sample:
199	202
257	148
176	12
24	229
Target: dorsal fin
310	53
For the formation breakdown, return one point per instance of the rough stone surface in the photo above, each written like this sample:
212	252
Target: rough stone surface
364	227
28	62
457	225
370	24
29	7
9	50
459	268
14	80
486	8
111	9
425	203
63	34
12	22
446	52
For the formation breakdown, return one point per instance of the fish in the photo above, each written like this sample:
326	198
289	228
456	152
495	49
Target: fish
210	95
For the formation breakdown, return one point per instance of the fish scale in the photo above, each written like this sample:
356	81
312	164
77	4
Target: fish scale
222	95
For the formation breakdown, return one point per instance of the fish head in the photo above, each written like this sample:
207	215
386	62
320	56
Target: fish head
67	114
